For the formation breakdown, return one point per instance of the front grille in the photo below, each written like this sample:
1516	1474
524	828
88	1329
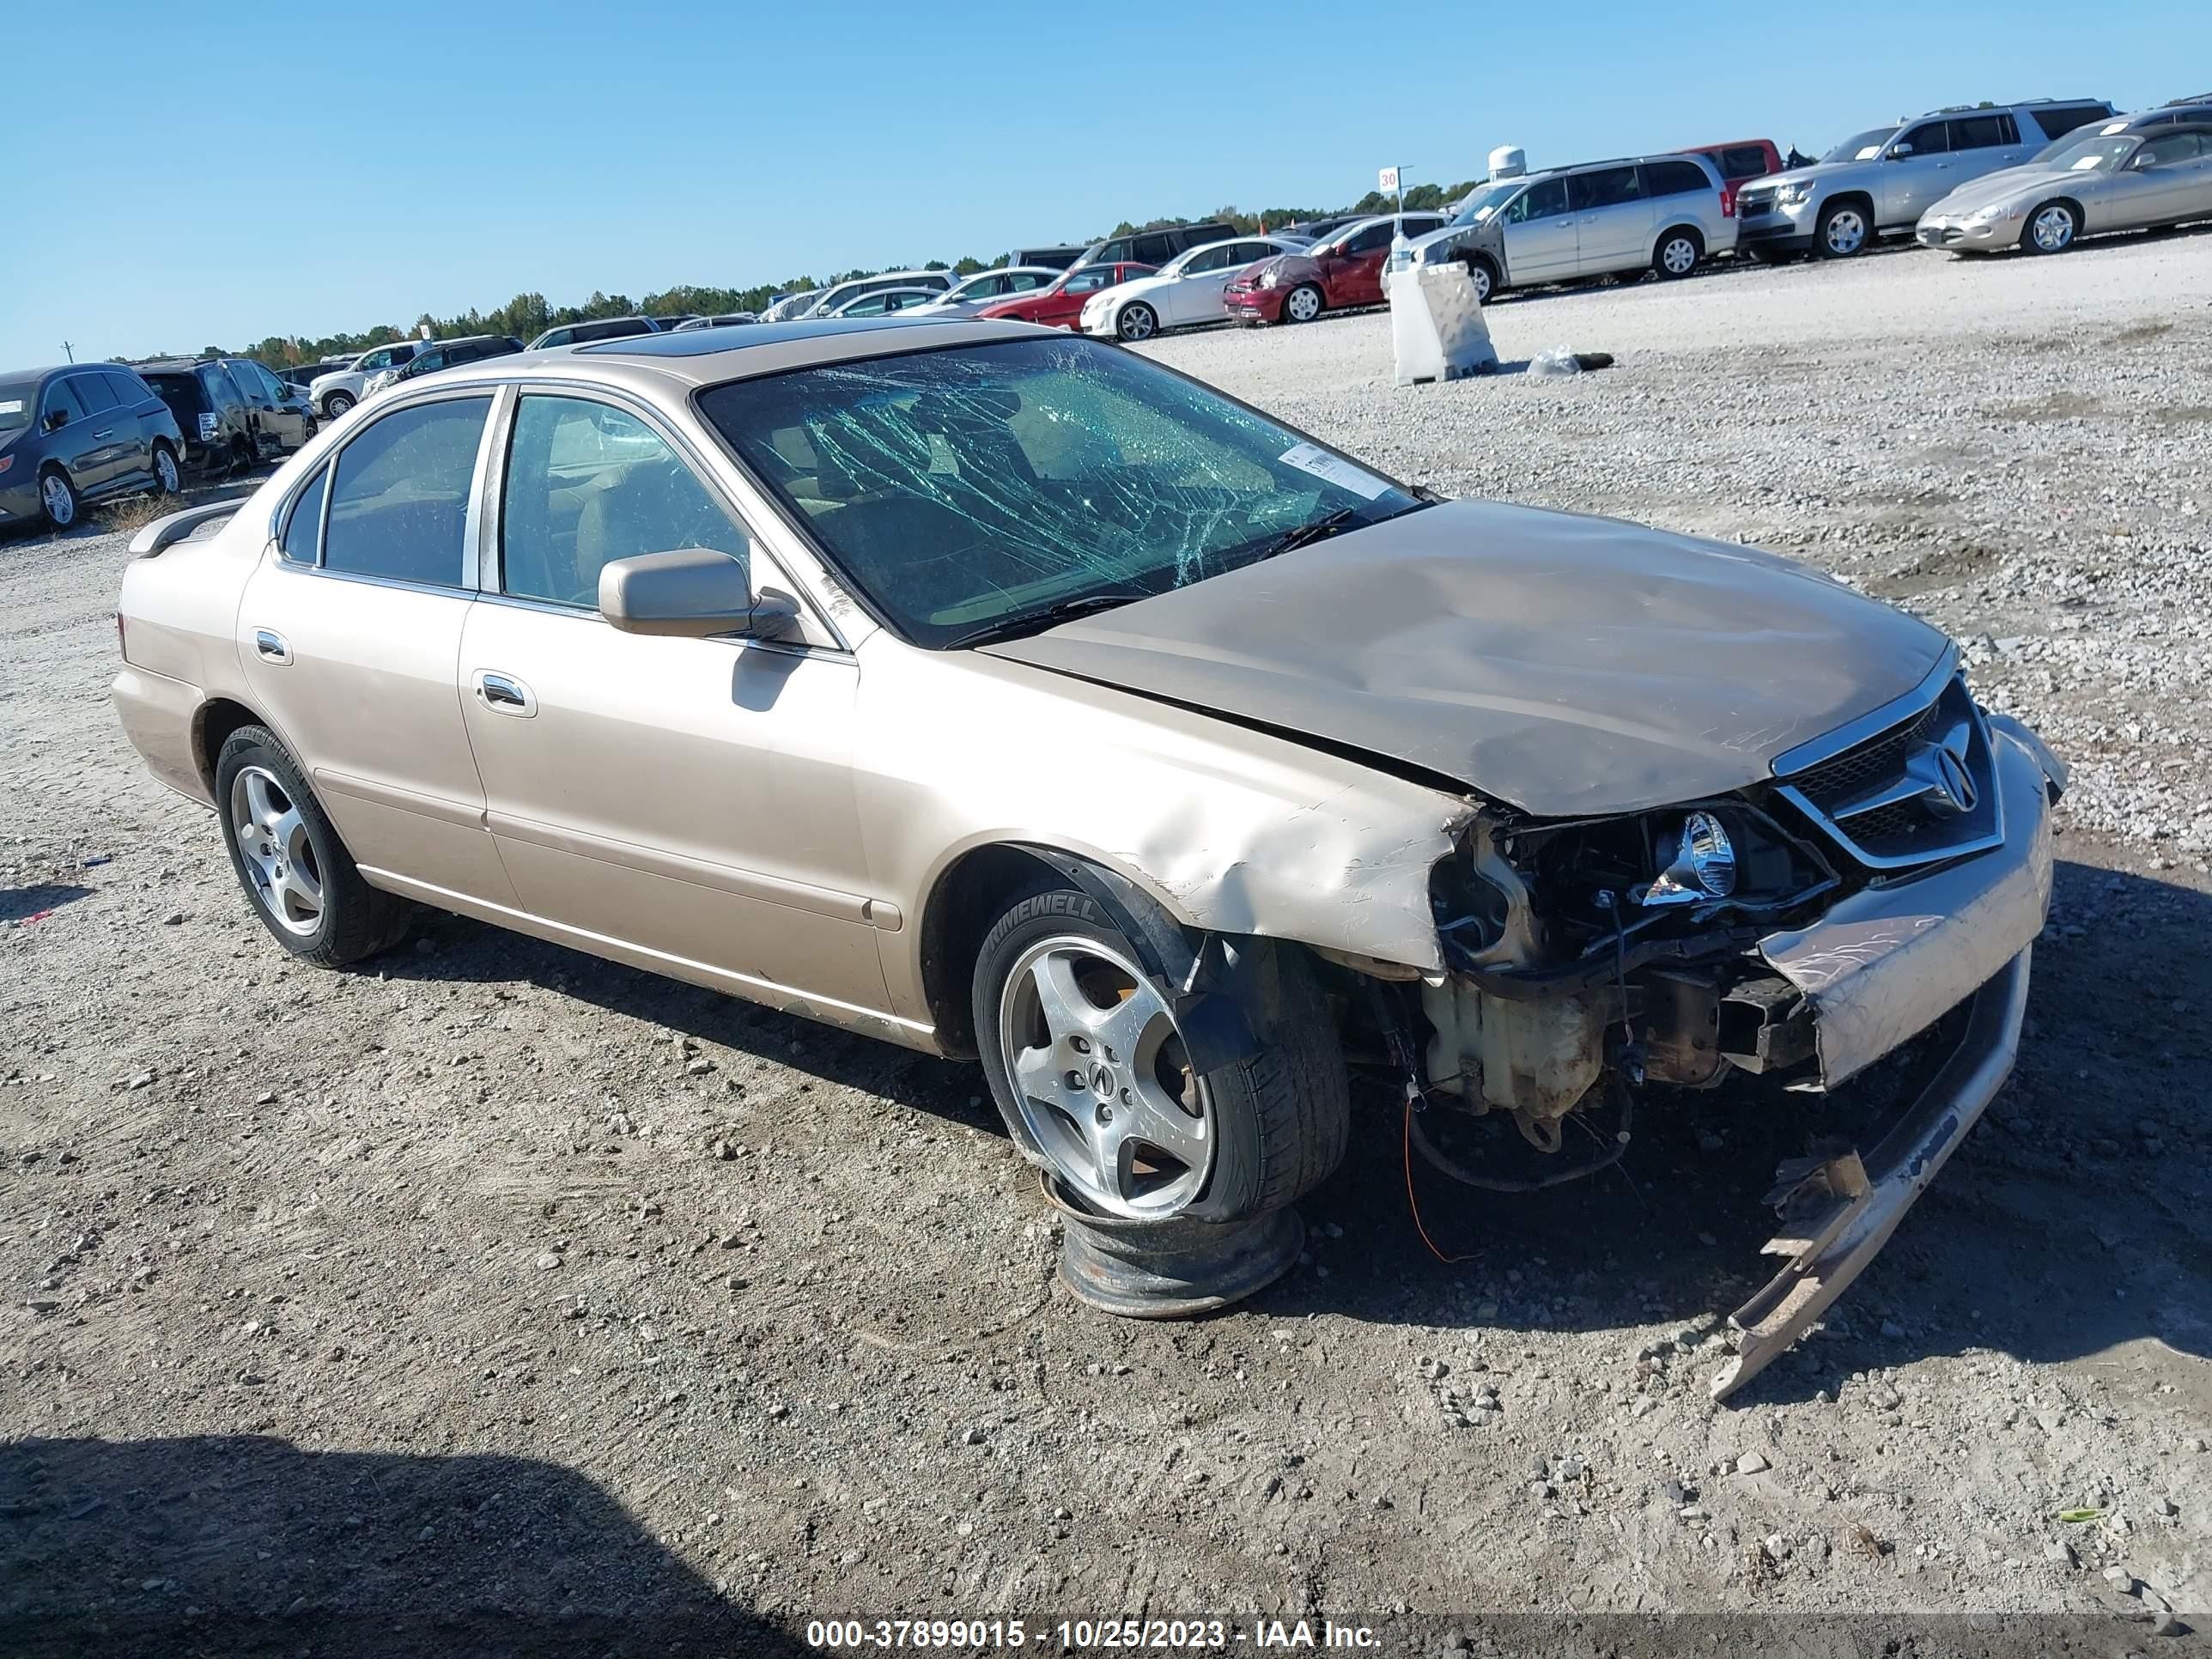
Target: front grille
1923	789
1751	201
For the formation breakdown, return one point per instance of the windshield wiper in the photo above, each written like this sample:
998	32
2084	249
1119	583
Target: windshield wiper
1305	535
1035	622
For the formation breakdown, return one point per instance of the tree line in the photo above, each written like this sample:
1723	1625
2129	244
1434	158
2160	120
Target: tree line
528	315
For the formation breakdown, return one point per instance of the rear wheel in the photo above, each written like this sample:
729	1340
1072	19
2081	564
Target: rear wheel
296	872
167	478
1138	321
2051	229
1678	254
1845	231
57	498
1089	1068
1304	304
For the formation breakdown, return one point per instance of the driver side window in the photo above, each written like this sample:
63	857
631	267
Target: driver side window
588	484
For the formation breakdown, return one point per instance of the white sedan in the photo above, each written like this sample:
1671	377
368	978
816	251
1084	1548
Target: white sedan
1185	291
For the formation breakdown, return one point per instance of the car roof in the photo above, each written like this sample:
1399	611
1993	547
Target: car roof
2169	115
709	356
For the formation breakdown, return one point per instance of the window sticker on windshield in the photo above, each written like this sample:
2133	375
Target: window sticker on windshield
1309	458
2113	127
2087	162
11	406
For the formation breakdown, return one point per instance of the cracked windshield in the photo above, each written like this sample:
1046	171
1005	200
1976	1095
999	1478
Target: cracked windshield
987	491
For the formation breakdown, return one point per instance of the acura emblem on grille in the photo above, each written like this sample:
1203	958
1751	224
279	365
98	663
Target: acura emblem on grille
1940	768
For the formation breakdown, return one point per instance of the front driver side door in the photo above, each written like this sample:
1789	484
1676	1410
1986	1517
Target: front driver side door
1914	178
1539	236
2167	178
690	799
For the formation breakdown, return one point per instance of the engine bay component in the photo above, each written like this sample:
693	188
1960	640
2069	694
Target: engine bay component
1702	867
1535	1059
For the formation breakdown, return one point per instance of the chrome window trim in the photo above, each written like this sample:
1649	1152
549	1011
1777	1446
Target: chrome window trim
1853	732
702	463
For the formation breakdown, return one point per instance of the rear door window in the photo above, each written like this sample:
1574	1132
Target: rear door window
1604	188
93	392
1983	132
130	391
399	498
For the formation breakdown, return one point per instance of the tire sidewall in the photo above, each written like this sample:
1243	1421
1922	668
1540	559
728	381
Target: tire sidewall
1121	323
173	481
76	501
1484	276
1836	211
1320	304
253	746
2027	231
1659	255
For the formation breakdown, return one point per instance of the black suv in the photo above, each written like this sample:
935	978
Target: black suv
221	434
72	435
1154	248
445	354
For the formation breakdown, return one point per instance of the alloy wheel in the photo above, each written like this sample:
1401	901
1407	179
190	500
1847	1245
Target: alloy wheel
1136	322
279	858
2053	228
59	501
1100	1079
165	472
1846	231
1478	274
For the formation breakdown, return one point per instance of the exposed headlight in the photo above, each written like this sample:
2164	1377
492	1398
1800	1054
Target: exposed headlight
1702	867
1270	279
1795	195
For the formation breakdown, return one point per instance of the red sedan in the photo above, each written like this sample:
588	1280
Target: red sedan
1058	305
1345	271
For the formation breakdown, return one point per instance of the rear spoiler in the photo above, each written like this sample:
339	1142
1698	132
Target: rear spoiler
178	526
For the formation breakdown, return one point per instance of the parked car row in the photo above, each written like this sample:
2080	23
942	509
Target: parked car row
2140	174
77	433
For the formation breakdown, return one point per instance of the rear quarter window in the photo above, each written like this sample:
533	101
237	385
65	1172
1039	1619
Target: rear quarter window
1676	178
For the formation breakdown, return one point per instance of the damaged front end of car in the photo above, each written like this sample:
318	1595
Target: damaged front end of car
1797	930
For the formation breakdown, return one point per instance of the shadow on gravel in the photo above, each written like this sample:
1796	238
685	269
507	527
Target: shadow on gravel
2076	1217
241	1545
19	903
479	953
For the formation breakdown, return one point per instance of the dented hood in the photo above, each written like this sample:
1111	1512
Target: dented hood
1562	663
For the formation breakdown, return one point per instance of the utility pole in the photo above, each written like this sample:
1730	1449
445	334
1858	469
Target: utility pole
69	351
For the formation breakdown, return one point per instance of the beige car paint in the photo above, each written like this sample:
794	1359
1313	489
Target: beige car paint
699	821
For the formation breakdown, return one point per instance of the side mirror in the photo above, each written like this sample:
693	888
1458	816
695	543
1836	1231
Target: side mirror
691	593
1900	152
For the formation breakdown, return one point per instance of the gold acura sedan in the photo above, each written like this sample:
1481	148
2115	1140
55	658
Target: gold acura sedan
1009	695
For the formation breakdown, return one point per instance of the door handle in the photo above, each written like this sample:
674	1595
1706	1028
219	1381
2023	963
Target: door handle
104	432
503	694
271	646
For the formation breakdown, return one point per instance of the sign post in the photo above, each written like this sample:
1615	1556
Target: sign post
1390	180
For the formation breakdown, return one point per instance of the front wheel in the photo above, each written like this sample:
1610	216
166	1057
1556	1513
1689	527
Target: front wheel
2051	229
1304	304
1484	276
57	498
167	479
1089	1071
336	404
302	882
1843	231
1138	321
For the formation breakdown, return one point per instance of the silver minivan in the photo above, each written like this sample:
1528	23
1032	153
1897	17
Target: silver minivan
1660	213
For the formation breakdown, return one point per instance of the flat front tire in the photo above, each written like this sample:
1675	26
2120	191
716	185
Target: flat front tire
295	872
1087	1066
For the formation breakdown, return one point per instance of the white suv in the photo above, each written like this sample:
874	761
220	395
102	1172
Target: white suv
334	393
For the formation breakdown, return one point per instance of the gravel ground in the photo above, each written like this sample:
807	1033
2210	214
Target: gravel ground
497	1299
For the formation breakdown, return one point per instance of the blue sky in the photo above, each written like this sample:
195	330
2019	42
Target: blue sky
186	175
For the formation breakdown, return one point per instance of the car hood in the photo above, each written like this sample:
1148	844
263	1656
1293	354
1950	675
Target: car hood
1561	663
2005	183
1285	264
1817	170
